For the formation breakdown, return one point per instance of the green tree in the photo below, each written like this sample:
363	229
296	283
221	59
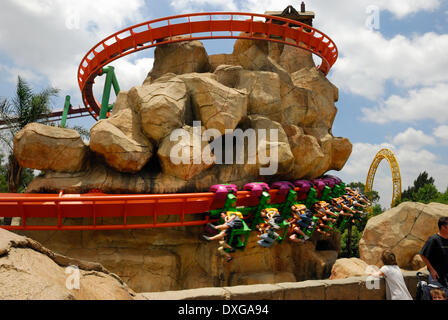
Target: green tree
3	176
24	108
411	192
443	197
427	193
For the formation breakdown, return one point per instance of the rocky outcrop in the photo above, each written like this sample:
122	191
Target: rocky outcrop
215	105
44	147
179	58
261	85
120	140
346	268
29	271
404	230
162	105
180	158
152	260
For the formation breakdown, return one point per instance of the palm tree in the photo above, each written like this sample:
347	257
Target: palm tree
24	108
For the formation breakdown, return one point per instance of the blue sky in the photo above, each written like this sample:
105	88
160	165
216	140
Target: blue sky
393	79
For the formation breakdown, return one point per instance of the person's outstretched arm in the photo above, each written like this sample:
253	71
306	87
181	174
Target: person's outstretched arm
431	269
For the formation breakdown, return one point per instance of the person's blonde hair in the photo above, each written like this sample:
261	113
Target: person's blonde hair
438	292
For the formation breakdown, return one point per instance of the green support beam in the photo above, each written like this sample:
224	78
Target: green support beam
65	113
111	81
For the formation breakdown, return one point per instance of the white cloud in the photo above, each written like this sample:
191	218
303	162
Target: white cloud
369	60
50	37
441	132
413	139
402	8
189	6
420	104
14	72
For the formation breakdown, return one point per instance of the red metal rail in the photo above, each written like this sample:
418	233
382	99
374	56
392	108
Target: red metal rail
200	26
73	113
95	206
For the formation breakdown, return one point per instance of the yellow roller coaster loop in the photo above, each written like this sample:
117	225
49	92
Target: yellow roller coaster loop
395	169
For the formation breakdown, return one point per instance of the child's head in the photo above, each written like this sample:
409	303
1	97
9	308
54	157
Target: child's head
438	294
388	258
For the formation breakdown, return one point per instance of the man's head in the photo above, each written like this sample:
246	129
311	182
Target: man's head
443	224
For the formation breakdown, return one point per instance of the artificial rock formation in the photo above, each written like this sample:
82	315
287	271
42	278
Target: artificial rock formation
29	271
154	260
347	268
179	58
120	140
404	230
44	147
261	85
162	106
272	89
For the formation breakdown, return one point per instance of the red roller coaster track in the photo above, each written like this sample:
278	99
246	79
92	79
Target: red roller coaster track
200	26
98	206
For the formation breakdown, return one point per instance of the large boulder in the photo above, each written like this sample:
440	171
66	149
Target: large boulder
276	149
179	58
306	151
29	271
42	147
349	267
162	105
254	55
291	58
217	106
404	230
187	156
341	151
322	96
120	140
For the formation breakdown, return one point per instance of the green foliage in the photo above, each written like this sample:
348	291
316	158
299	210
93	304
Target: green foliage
427	193
24	108
3	176
26	178
442	197
356	236
83	132
424	190
410	194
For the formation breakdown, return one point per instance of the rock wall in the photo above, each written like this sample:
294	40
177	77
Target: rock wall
404	230
353	288
29	271
261	85
155	260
